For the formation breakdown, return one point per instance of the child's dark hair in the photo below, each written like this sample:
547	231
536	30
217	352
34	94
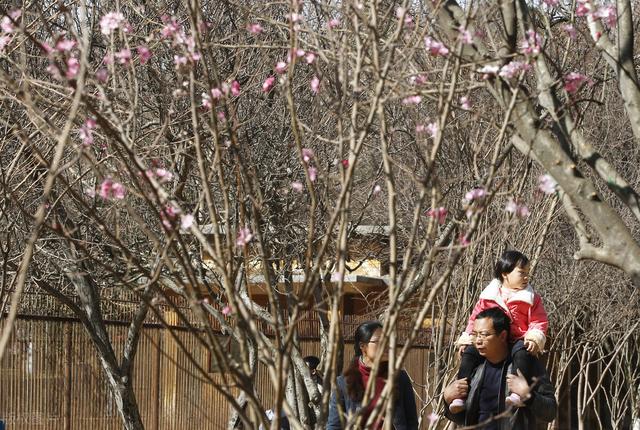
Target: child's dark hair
508	261
352	377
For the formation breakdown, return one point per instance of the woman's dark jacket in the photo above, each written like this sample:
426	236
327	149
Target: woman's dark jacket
405	416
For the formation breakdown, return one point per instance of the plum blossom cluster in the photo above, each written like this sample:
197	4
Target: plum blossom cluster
404	16
110	22
514	69
547	184
243	237
516	208
307	158
606	13
282	66
439	214
217	93
8	27
435	48
160	174
531	44
173	31
170	214
86	132
475	195
111	190
574	81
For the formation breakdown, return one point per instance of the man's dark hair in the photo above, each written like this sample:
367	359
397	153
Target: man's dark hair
500	320
508	261
312	361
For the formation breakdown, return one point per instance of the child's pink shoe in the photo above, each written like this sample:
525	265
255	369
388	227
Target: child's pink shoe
513	400
456	406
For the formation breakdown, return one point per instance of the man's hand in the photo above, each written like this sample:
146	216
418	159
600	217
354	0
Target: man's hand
458	389
532	347
518	384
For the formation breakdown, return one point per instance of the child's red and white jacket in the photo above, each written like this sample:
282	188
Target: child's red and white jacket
525	310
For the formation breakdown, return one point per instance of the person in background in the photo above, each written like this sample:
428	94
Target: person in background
349	392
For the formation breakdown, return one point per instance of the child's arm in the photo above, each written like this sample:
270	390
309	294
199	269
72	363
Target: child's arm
538	324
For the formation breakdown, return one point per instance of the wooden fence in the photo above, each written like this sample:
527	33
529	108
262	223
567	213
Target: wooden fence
51	378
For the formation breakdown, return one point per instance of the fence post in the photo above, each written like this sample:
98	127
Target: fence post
68	345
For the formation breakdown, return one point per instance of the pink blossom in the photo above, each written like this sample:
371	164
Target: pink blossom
124	56
53	70
216	93
333	23
420	128
4	41
583	8
297	186
6	24
118	191
434	47
608	14
475	194
518	209
195	56
465	103
254	28
111	21
376	189
180	60
86	133
433	418
300	52
439	214
268	84
226	310
513	69
235	88
307	154
313	173
412	100
163	174
310	57
102	75
110	190
221	116
465	36
206	101
547	184
171	27
464	241
570	30
345	163
281	67
295	17
419	79
144	53
243	237
574	81
65	45
433	129
531	44
73	67
186	222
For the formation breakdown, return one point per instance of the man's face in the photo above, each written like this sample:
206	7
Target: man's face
489	344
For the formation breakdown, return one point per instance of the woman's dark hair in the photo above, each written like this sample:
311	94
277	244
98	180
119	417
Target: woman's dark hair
508	261
352	377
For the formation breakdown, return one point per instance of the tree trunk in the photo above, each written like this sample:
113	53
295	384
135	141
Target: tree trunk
122	390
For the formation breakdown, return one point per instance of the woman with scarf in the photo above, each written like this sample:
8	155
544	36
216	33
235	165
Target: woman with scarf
347	399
